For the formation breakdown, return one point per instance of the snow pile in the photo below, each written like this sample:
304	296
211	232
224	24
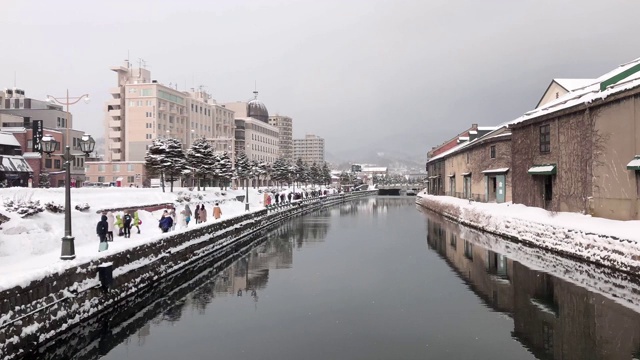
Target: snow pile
30	246
606	242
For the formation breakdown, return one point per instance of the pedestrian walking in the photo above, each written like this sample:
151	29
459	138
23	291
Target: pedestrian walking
136	221
172	213
277	198
111	224
196	214
102	228
188	214
217	212
203	214
165	222
120	225
126	220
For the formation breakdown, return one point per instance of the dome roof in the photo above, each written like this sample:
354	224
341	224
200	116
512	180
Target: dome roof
257	110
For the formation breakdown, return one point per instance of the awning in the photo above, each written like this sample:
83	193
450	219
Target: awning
634	164
452	175
549	169
496	171
466	174
14	163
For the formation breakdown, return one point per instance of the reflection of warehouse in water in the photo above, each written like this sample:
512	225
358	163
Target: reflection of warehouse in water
553	318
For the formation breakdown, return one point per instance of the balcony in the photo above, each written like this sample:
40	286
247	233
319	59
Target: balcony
116	146
115	123
116	156
114	135
115	113
115	90
114	102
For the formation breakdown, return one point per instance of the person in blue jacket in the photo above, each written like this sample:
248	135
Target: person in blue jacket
165	222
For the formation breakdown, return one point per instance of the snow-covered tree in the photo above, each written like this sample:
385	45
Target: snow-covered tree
345	178
200	160
223	169
166	157
44	181
280	171
301	171
315	174
326	174
242	169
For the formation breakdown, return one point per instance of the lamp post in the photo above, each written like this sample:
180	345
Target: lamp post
69	101
50	145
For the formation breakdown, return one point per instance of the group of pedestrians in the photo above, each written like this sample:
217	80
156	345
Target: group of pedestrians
108	224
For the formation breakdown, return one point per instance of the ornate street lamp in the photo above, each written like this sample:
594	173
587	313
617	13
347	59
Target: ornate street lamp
50	145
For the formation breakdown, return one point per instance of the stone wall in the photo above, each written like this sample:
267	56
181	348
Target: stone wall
50	306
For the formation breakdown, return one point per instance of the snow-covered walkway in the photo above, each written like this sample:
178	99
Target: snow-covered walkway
606	242
30	246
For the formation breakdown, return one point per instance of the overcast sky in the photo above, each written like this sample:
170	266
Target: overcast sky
400	74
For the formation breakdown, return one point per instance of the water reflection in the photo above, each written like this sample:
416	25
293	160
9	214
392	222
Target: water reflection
553	316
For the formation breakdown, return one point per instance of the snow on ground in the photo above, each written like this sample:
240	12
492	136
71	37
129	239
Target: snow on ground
607	242
30	247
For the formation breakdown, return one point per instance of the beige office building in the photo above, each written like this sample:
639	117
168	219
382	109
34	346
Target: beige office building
141	109
310	149
254	135
285	128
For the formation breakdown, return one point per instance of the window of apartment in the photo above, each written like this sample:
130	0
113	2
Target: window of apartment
147	92
129	167
545	138
56	164
139	103
47	163
492	152
132	90
130	179
132	103
29	144
149	103
101	168
116	167
100	179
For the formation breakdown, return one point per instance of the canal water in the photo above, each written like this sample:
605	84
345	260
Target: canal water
380	278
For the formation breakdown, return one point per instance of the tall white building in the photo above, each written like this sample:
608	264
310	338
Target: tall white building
285	128
310	149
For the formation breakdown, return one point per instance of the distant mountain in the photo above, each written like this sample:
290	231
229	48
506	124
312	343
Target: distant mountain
398	152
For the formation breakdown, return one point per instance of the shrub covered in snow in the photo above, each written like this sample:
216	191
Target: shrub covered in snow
83	207
24	207
53	207
186	197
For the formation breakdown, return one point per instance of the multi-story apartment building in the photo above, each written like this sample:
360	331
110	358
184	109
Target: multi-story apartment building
310	149
17	114
285	128
142	109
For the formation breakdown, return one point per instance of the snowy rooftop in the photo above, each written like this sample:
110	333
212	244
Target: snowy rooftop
374	169
589	93
8	139
574	84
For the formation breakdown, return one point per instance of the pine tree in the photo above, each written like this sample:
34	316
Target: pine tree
326	174
242	169
166	157
254	172
154	159
223	169
315	174
44	180
200	160
345	178
280	171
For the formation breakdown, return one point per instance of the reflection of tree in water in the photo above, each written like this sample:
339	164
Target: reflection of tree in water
174	313
202	296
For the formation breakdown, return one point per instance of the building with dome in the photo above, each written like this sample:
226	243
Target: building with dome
254	136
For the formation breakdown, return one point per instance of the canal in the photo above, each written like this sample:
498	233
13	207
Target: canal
380	278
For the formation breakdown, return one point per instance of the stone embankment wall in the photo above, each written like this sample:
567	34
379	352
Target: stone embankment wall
50	306
600	249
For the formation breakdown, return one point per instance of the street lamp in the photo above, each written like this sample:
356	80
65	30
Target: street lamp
67	102
50	145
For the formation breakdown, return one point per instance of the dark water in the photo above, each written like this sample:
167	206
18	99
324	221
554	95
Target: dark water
381	279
